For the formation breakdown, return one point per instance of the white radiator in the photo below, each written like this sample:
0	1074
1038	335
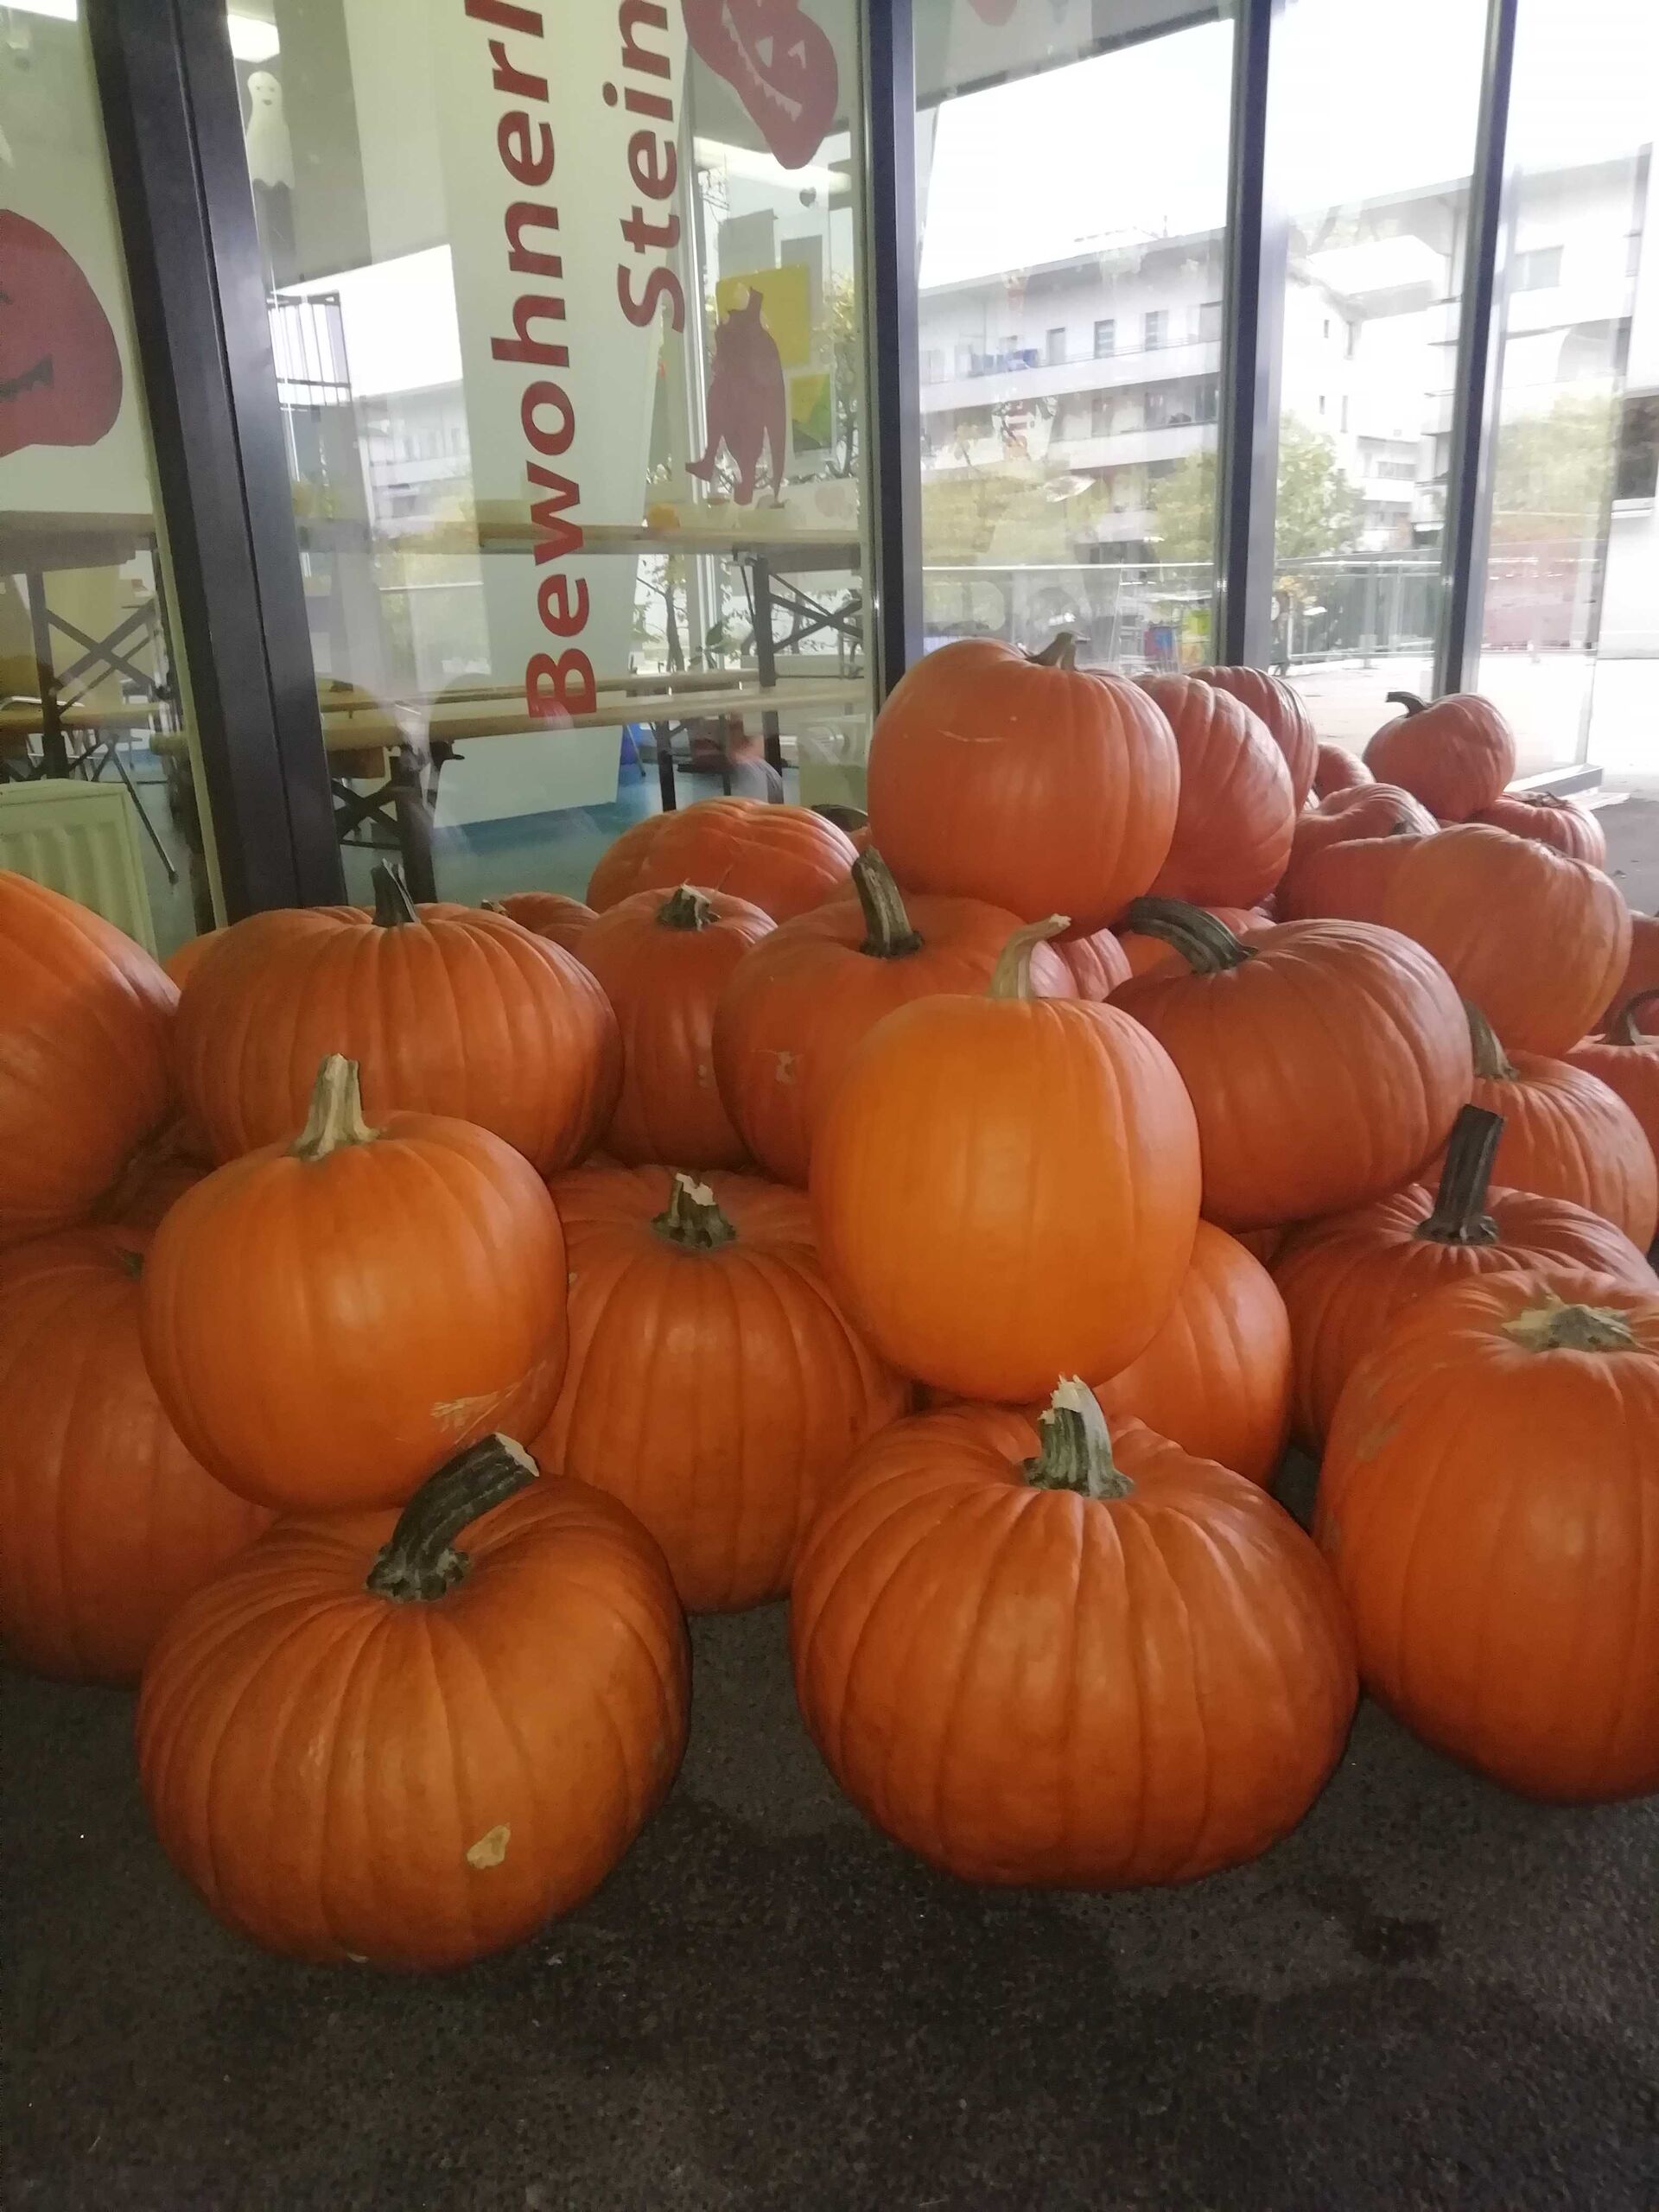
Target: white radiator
80	839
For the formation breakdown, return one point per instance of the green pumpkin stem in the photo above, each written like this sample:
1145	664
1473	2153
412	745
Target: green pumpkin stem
1208	946
1459	1215
887	932
1409	701
1060	652
393	908
421	1561
1625	1028
692	1218
1011	977
1076	1452
1554	1325
336	1117
687	909
1492	1063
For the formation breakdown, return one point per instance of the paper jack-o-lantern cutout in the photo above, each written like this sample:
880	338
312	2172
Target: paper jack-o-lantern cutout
746	401
778	62
60	368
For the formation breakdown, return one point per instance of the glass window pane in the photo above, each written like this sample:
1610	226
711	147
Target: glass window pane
567	308
1378	229
99	791
1070	274
1569	625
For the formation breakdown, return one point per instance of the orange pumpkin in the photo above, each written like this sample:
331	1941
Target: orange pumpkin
797	1005
1343	1280
713	1385
327	1320
184	961
1571	829
157	1176
1626	1059
1215	1378
1641	975
1005	1186
84	1019
1096	963
1456	756
1233	826
1345	880
1365	813
1336	769
664	958
1143	952
1273	702
782	859
1035	1653
446	1010
1535	940
1326	1060
367	1741
1032	783
109	1523
1567	1135
560	920
1488	1499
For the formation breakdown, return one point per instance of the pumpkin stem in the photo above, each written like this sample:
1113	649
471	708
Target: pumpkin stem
1060	652
336	1115
421	1561
1409	701
692	1218
1076	1454
491	906
1011	977
393	908
1208	946
1459	1216
1554	1326
1625	1028
1492	1063
887	932
687	909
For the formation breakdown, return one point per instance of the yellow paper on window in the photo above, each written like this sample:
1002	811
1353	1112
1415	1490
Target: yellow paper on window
785	306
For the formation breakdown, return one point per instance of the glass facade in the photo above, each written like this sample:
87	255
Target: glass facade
99	793
567	309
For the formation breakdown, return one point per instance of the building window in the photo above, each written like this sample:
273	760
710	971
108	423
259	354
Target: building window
1054	347
1637	468
1105	338
1157	409
1157	320
965	361
1344	411
1206	400
1537	271
1321	403
1101	415
1210	321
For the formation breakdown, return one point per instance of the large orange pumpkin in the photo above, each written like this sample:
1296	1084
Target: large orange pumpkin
1233	826
1142	951
1031	1653
1347	879
798	1005
1570	829
1096	962
158	1174
1032	783
1005	1186
1567	1135
714	1384
1456	756
409	1742
1215	1378
110	1524
1343	1280
1626	1059
562	921
445	1009
85	1016
1535	940
1336	769
327	1320
1363	814
664	958
1272	701
1490	1501
1326	1060
782	859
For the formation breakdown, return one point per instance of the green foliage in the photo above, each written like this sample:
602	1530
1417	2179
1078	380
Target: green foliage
1551	472
1320	511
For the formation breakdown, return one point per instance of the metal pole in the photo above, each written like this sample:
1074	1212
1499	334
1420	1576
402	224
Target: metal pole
893	464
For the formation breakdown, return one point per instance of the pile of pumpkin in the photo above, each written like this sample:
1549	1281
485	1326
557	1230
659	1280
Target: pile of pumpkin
946	1225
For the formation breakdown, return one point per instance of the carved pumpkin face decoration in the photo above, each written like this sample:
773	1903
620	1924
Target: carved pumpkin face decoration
60	369
778	62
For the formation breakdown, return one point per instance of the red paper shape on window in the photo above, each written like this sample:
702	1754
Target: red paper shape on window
60	368
994	12
779	62
746	405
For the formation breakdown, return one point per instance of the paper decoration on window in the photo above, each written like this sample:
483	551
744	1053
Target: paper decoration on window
60	367
785	303
779	62
811	414
746	401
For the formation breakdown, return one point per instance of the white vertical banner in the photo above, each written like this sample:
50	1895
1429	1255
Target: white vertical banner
558	125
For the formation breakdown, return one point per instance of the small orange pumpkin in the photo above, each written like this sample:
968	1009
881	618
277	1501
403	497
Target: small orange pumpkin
1237	813
782	859
1570	829
1626	1059
1336	769
560	920
1456	756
